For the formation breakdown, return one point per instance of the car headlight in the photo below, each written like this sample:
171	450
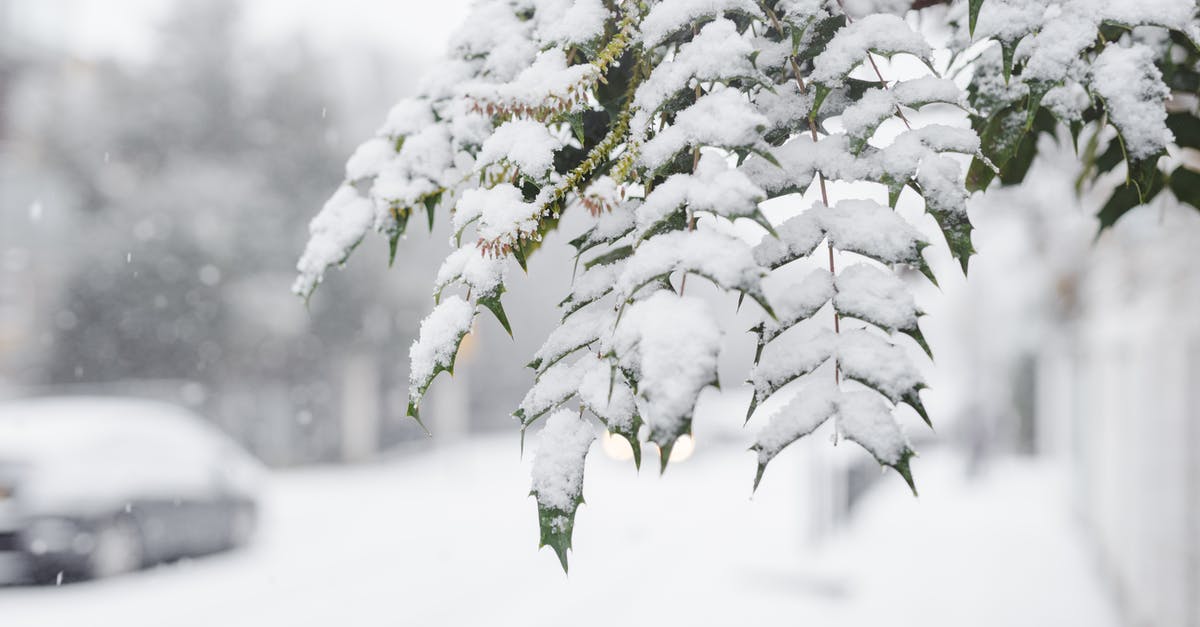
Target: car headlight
52	535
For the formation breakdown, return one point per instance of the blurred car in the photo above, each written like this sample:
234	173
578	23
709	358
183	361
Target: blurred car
94	487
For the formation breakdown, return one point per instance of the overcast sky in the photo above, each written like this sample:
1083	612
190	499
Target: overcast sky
124	28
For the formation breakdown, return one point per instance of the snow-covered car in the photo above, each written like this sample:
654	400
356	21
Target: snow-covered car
93	487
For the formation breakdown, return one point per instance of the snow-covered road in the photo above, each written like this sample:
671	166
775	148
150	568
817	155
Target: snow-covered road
448	538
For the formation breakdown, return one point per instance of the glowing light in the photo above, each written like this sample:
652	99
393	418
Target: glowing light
616	447
683	449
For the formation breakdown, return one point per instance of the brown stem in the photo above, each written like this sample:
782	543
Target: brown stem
695	162
812	127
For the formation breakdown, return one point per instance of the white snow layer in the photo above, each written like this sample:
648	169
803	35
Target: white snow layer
876	296
672	344
864	418
527	144
437	342
876	362
670	16
339	227
885	34
810	408
558	464
1133	92
722	118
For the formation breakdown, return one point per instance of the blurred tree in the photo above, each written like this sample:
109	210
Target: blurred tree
191	174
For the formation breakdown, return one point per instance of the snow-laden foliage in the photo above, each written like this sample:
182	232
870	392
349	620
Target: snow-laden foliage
1091	66
665	121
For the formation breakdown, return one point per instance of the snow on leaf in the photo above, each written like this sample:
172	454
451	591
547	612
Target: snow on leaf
527	144
813	404
570	21
670	16
881	33
483	274
540	84
334	232
554	386
863	417
943	187
423	165
558	477
796	238
873	295
504	216
793	169
720	258
713	187
436	346
369	157
670	345
604	391
862	118
609	226
787	358
872	230
717	53
407	117
723	119
592	285
1131	87
882	366
797	302
576	332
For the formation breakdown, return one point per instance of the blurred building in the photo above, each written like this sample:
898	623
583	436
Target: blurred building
1122	385
1086	350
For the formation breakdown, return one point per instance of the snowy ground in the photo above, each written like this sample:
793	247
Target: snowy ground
447	538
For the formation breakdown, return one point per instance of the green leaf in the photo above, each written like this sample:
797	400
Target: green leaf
956	228
1123	200
1186	128
612	256
973	17
1185	184
493	304
393	243
556	527
431	202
